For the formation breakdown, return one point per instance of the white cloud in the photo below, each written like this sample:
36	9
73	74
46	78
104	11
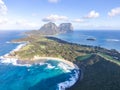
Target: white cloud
3	21
3	8
78	20
54	18
25	23
53	1
92	14
10	23
114	12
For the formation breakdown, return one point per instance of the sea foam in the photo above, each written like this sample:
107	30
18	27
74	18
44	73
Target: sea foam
70	82
64	66
112	40
49	66
12	61
5	58
74	77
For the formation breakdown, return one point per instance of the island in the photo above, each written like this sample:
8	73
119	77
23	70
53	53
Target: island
99	67
91	39
52	29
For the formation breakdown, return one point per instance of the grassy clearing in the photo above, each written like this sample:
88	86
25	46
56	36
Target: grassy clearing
52	47
101	75
109	58
27	47
80	58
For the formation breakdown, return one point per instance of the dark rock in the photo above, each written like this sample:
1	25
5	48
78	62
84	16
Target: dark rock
91	39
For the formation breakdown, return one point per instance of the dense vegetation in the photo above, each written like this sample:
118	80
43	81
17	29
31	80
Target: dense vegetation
51	47
100	68
98	74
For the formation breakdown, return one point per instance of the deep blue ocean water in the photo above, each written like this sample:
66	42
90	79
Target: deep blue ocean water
5	38
109	39
47	75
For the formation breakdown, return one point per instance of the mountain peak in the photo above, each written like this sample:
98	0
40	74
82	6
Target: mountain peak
51	28
65	27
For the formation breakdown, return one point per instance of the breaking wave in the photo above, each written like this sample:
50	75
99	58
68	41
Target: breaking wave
61	65
112	40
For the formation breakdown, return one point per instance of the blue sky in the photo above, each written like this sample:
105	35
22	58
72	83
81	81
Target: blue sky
84	14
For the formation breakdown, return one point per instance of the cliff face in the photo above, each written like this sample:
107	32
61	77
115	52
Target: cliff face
65	27
49	29
52	29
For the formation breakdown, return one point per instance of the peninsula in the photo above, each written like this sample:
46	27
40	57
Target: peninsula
97	65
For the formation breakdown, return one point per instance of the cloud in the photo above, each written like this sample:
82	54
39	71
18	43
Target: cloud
114	12
53	18
92	14
3	21
53	1
3	8
10	23
78	20
25	23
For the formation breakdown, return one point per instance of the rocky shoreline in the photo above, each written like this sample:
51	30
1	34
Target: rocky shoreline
10	58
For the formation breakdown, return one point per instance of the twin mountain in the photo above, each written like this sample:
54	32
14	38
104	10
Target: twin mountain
52	29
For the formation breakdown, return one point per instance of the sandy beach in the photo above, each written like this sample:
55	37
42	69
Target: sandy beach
10	58
56	59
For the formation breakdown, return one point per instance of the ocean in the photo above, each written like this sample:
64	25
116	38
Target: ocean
47	75
109	39
51	74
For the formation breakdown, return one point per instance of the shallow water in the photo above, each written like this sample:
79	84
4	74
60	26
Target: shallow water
47	75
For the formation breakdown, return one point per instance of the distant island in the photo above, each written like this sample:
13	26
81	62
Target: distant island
52	29
97	65
91	39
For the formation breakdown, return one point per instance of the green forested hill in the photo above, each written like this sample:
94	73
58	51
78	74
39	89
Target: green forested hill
100	69
98	74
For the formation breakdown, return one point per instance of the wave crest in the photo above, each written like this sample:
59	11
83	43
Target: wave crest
112	40
70	82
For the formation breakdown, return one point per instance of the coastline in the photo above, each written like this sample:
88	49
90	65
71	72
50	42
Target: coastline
56	59
11	58
37	60
69	83
7	58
